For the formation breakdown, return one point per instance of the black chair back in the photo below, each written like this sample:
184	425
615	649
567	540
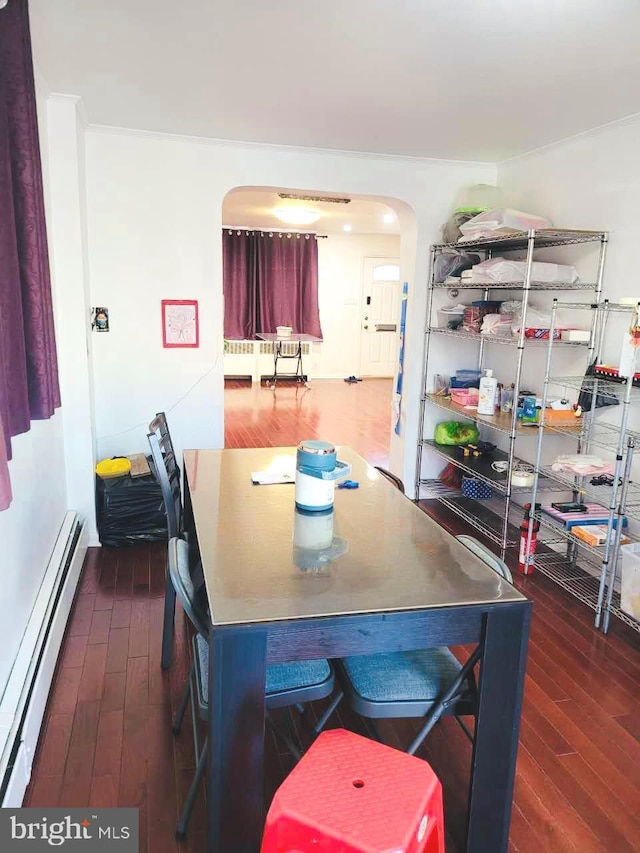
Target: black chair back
167	472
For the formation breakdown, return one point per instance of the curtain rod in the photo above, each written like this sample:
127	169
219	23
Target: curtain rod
274	230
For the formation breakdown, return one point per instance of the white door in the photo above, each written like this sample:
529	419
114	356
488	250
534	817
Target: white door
380	315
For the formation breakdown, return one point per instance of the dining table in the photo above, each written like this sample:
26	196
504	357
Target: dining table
375	575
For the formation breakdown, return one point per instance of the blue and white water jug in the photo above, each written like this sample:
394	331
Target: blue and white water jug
317	470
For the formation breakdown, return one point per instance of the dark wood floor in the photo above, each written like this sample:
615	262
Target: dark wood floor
107	738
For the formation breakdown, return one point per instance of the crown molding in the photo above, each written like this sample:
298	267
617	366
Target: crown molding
282	149
599	130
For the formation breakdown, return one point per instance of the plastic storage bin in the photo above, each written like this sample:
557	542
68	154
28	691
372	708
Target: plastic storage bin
466	379
465	396
630	590
476	489
450	316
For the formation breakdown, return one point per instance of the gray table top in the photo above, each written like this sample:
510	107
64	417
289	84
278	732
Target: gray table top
383	553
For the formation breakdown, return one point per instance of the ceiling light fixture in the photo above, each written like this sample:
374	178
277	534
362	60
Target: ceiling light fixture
297	215
388	217
327	198
346	228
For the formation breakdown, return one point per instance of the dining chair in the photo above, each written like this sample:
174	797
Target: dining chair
425	683
287	684
167	473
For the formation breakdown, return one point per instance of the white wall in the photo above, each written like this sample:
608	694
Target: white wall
591	181
154	219
340	279
29	527
68	241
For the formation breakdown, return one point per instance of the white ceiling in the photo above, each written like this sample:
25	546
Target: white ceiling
254	208
470	79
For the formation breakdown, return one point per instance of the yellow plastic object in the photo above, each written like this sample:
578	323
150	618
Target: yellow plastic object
113	467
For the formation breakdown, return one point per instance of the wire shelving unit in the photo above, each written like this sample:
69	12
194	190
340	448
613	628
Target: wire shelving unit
495	518
591	572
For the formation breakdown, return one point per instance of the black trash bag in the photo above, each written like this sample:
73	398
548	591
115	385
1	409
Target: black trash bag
453	263
586	392
130	510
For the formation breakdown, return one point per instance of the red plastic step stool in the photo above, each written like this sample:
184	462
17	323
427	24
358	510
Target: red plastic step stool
350	794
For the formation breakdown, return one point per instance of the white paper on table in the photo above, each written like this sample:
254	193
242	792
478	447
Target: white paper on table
271	478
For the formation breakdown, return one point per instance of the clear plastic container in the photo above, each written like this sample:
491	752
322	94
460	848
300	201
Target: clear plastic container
482	196
450	316
630	589
506	399
465	396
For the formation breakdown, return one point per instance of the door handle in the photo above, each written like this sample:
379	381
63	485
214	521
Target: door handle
385	327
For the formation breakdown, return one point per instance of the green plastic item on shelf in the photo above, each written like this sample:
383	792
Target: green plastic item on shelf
455	432
474	210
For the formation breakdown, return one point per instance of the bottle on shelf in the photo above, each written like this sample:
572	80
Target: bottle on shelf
506	399
524	567
487	396
499	390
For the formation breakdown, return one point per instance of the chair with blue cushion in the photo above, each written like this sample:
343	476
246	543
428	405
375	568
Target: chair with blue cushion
287	684
425	683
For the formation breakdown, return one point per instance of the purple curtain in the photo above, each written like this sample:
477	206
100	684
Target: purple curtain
28	363
5	483
239	267
270	280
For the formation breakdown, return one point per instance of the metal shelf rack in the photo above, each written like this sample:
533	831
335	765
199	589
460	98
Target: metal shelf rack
528	241
622	499
474	336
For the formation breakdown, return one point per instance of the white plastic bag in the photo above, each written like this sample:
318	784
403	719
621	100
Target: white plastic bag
497	325
630	590
535	320
500	221
582	464
505	269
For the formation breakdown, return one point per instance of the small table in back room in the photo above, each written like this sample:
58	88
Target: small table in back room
403	583
295	352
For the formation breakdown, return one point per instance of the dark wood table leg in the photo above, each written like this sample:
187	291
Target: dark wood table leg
493	765
237	674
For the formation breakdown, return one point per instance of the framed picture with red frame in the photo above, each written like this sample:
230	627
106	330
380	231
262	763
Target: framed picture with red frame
180	326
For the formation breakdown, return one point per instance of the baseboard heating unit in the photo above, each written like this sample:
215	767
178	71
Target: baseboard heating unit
23	702
254	359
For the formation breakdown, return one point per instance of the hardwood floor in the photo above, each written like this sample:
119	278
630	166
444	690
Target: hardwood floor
107	736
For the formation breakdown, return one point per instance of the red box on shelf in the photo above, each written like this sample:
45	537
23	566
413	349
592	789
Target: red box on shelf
542	334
